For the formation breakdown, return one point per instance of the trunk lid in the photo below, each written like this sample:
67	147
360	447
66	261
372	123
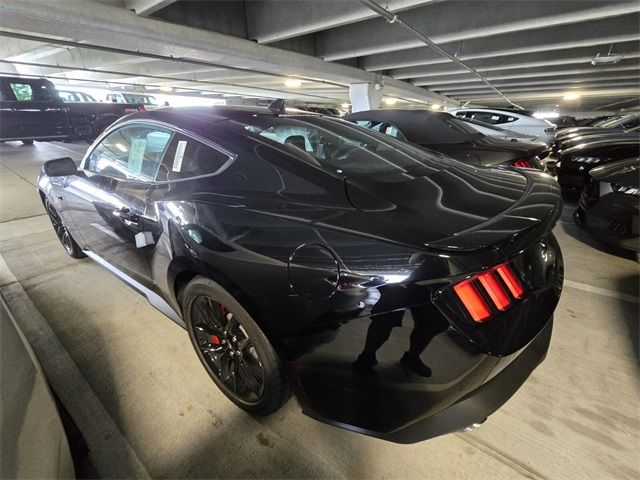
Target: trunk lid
456	208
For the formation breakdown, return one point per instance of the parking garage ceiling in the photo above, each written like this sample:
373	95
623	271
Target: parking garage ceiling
531	52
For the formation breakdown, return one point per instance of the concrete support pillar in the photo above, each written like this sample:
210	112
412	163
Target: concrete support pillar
365	96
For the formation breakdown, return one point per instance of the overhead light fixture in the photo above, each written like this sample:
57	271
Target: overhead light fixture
571	96
345	105
390	101
609	59
292	83
606	59
166	89
435	106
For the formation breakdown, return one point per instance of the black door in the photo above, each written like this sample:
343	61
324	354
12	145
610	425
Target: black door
107	201
31	109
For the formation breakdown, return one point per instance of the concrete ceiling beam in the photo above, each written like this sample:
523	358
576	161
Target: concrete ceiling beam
584	56
460	20
601	33
114	27
624	65
144	8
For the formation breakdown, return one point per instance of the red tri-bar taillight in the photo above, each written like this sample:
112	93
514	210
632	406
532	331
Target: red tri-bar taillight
495	289
473	301
523	164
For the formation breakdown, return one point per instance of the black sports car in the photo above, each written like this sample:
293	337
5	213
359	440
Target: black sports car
575	162
609	203
628	123
446	134
400	294
564	143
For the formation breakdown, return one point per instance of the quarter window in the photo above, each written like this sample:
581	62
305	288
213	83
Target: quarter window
133	152
394	131
186	158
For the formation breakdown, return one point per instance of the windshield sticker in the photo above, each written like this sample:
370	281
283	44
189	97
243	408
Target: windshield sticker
136	155
177	159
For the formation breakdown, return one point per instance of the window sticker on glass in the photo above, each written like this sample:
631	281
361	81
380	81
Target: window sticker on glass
177	159
136	154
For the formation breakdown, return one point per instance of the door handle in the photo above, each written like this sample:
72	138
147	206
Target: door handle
127	216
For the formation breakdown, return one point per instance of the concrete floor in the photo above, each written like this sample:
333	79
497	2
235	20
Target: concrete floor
146	407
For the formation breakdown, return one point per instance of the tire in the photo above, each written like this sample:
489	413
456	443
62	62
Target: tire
67	241
27	142
233	349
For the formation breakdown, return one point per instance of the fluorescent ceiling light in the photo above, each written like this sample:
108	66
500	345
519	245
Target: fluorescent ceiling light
292	83
345	105
390	101
435	106
571	96
166	89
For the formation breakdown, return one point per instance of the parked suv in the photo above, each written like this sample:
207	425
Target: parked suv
32	109
514	121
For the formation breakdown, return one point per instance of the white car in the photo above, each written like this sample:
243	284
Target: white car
542	130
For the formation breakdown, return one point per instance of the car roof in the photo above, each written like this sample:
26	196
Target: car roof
198	119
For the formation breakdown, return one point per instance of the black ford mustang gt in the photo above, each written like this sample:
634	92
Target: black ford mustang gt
399	293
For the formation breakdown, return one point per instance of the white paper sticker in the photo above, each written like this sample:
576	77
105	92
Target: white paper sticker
143	239
136	154
177	159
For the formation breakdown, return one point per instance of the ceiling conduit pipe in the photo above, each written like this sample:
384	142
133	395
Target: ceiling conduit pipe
393	18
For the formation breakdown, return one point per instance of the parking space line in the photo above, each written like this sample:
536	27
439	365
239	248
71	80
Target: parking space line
602	291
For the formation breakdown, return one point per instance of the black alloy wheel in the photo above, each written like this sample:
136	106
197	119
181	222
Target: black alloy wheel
234	351
67	241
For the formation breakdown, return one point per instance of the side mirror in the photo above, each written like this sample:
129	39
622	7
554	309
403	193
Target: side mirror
60	167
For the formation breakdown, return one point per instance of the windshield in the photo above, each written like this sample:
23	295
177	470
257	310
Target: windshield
339	146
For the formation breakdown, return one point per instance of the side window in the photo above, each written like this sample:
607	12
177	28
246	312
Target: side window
186	158
487	117
30	91
22	91
132	152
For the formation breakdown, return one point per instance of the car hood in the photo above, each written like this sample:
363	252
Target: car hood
459	208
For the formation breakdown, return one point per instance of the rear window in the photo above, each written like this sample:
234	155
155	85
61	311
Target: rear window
337	146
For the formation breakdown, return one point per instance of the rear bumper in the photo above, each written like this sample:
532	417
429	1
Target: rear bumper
472	408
